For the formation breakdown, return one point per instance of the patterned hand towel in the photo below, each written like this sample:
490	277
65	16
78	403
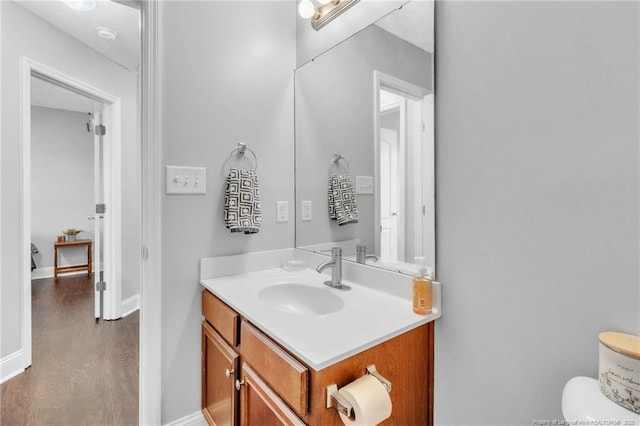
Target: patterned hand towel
242	211
342	200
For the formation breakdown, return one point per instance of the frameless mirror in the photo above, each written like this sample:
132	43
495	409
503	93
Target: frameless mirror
365	134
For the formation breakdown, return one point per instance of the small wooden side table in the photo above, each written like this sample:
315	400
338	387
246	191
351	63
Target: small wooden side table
71	268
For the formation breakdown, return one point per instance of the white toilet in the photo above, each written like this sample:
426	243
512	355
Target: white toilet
582	401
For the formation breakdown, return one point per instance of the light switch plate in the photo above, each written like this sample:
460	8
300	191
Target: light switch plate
185	180
364	185
282	211
306	211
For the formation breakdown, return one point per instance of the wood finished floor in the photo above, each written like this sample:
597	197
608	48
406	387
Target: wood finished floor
83	372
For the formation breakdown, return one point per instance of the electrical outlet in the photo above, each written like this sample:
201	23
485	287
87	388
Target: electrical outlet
185	180
364	185
282	212
306	211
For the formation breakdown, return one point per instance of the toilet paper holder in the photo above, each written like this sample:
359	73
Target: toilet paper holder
337	401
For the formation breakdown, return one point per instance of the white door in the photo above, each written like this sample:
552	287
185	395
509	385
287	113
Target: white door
389	203
98	214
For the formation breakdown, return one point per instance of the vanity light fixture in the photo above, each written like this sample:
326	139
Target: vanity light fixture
83	5
107	33
321	12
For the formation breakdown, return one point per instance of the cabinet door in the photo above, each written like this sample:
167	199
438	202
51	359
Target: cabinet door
219	367
261	406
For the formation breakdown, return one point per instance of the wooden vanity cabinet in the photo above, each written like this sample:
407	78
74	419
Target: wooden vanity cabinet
275	388
219	365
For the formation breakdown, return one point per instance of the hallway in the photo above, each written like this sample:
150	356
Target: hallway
83	372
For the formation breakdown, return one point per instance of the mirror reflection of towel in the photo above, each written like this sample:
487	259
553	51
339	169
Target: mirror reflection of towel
242	212
34	250
342	200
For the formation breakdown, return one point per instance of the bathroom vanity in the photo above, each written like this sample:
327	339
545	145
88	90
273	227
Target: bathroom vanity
274	341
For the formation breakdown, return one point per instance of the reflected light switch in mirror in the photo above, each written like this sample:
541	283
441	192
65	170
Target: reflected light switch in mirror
364	185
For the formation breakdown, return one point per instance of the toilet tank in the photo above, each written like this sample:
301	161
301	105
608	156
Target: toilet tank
619	369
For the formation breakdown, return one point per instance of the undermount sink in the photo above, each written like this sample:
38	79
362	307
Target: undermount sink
300	299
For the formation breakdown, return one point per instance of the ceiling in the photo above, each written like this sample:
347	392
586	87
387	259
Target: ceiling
122	16
408	23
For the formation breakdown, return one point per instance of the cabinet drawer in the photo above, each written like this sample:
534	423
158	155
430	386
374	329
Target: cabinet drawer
221	317
283	373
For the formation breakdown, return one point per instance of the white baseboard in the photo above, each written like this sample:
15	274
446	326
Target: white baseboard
195	419
47	272
130	305
11	366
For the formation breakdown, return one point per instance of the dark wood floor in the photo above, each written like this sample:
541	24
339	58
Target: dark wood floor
83	372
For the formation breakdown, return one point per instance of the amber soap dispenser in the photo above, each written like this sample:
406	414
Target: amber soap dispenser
422	291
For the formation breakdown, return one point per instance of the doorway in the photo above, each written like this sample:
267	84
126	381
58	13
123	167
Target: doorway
106	232
102	180
404	158
68	187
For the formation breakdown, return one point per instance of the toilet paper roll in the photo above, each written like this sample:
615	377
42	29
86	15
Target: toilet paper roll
370	400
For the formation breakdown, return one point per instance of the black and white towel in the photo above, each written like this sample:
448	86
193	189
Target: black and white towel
342	200
242	211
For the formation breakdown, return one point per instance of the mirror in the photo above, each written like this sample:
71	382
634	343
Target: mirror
364	125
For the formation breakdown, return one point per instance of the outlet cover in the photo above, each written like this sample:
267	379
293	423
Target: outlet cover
282	211
306	211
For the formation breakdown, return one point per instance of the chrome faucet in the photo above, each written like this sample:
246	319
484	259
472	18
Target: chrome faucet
362	256
336	272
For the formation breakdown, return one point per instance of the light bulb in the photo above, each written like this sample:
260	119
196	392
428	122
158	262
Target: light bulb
306	9
325	1
83	5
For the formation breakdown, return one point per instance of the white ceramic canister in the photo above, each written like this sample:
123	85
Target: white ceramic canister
619	369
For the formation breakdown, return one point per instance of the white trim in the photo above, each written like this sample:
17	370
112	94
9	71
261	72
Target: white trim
150	400
29	67
195	419
39	273
11	366
25	207
130	305
47	272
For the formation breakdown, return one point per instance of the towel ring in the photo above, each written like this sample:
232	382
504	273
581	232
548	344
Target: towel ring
242	148
335	160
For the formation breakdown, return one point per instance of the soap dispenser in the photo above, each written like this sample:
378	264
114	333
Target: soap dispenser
422	290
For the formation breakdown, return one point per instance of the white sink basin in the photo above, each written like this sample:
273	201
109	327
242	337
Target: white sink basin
301	299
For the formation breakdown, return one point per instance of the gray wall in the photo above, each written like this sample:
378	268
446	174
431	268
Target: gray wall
47	45
61	182
537	200
226	75
334	114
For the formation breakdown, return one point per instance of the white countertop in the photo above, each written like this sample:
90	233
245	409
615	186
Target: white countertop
369	316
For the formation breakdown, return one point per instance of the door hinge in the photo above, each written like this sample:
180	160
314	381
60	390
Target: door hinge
101	286
100	130
101	208
145	253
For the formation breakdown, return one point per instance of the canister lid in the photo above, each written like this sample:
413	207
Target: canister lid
626	344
